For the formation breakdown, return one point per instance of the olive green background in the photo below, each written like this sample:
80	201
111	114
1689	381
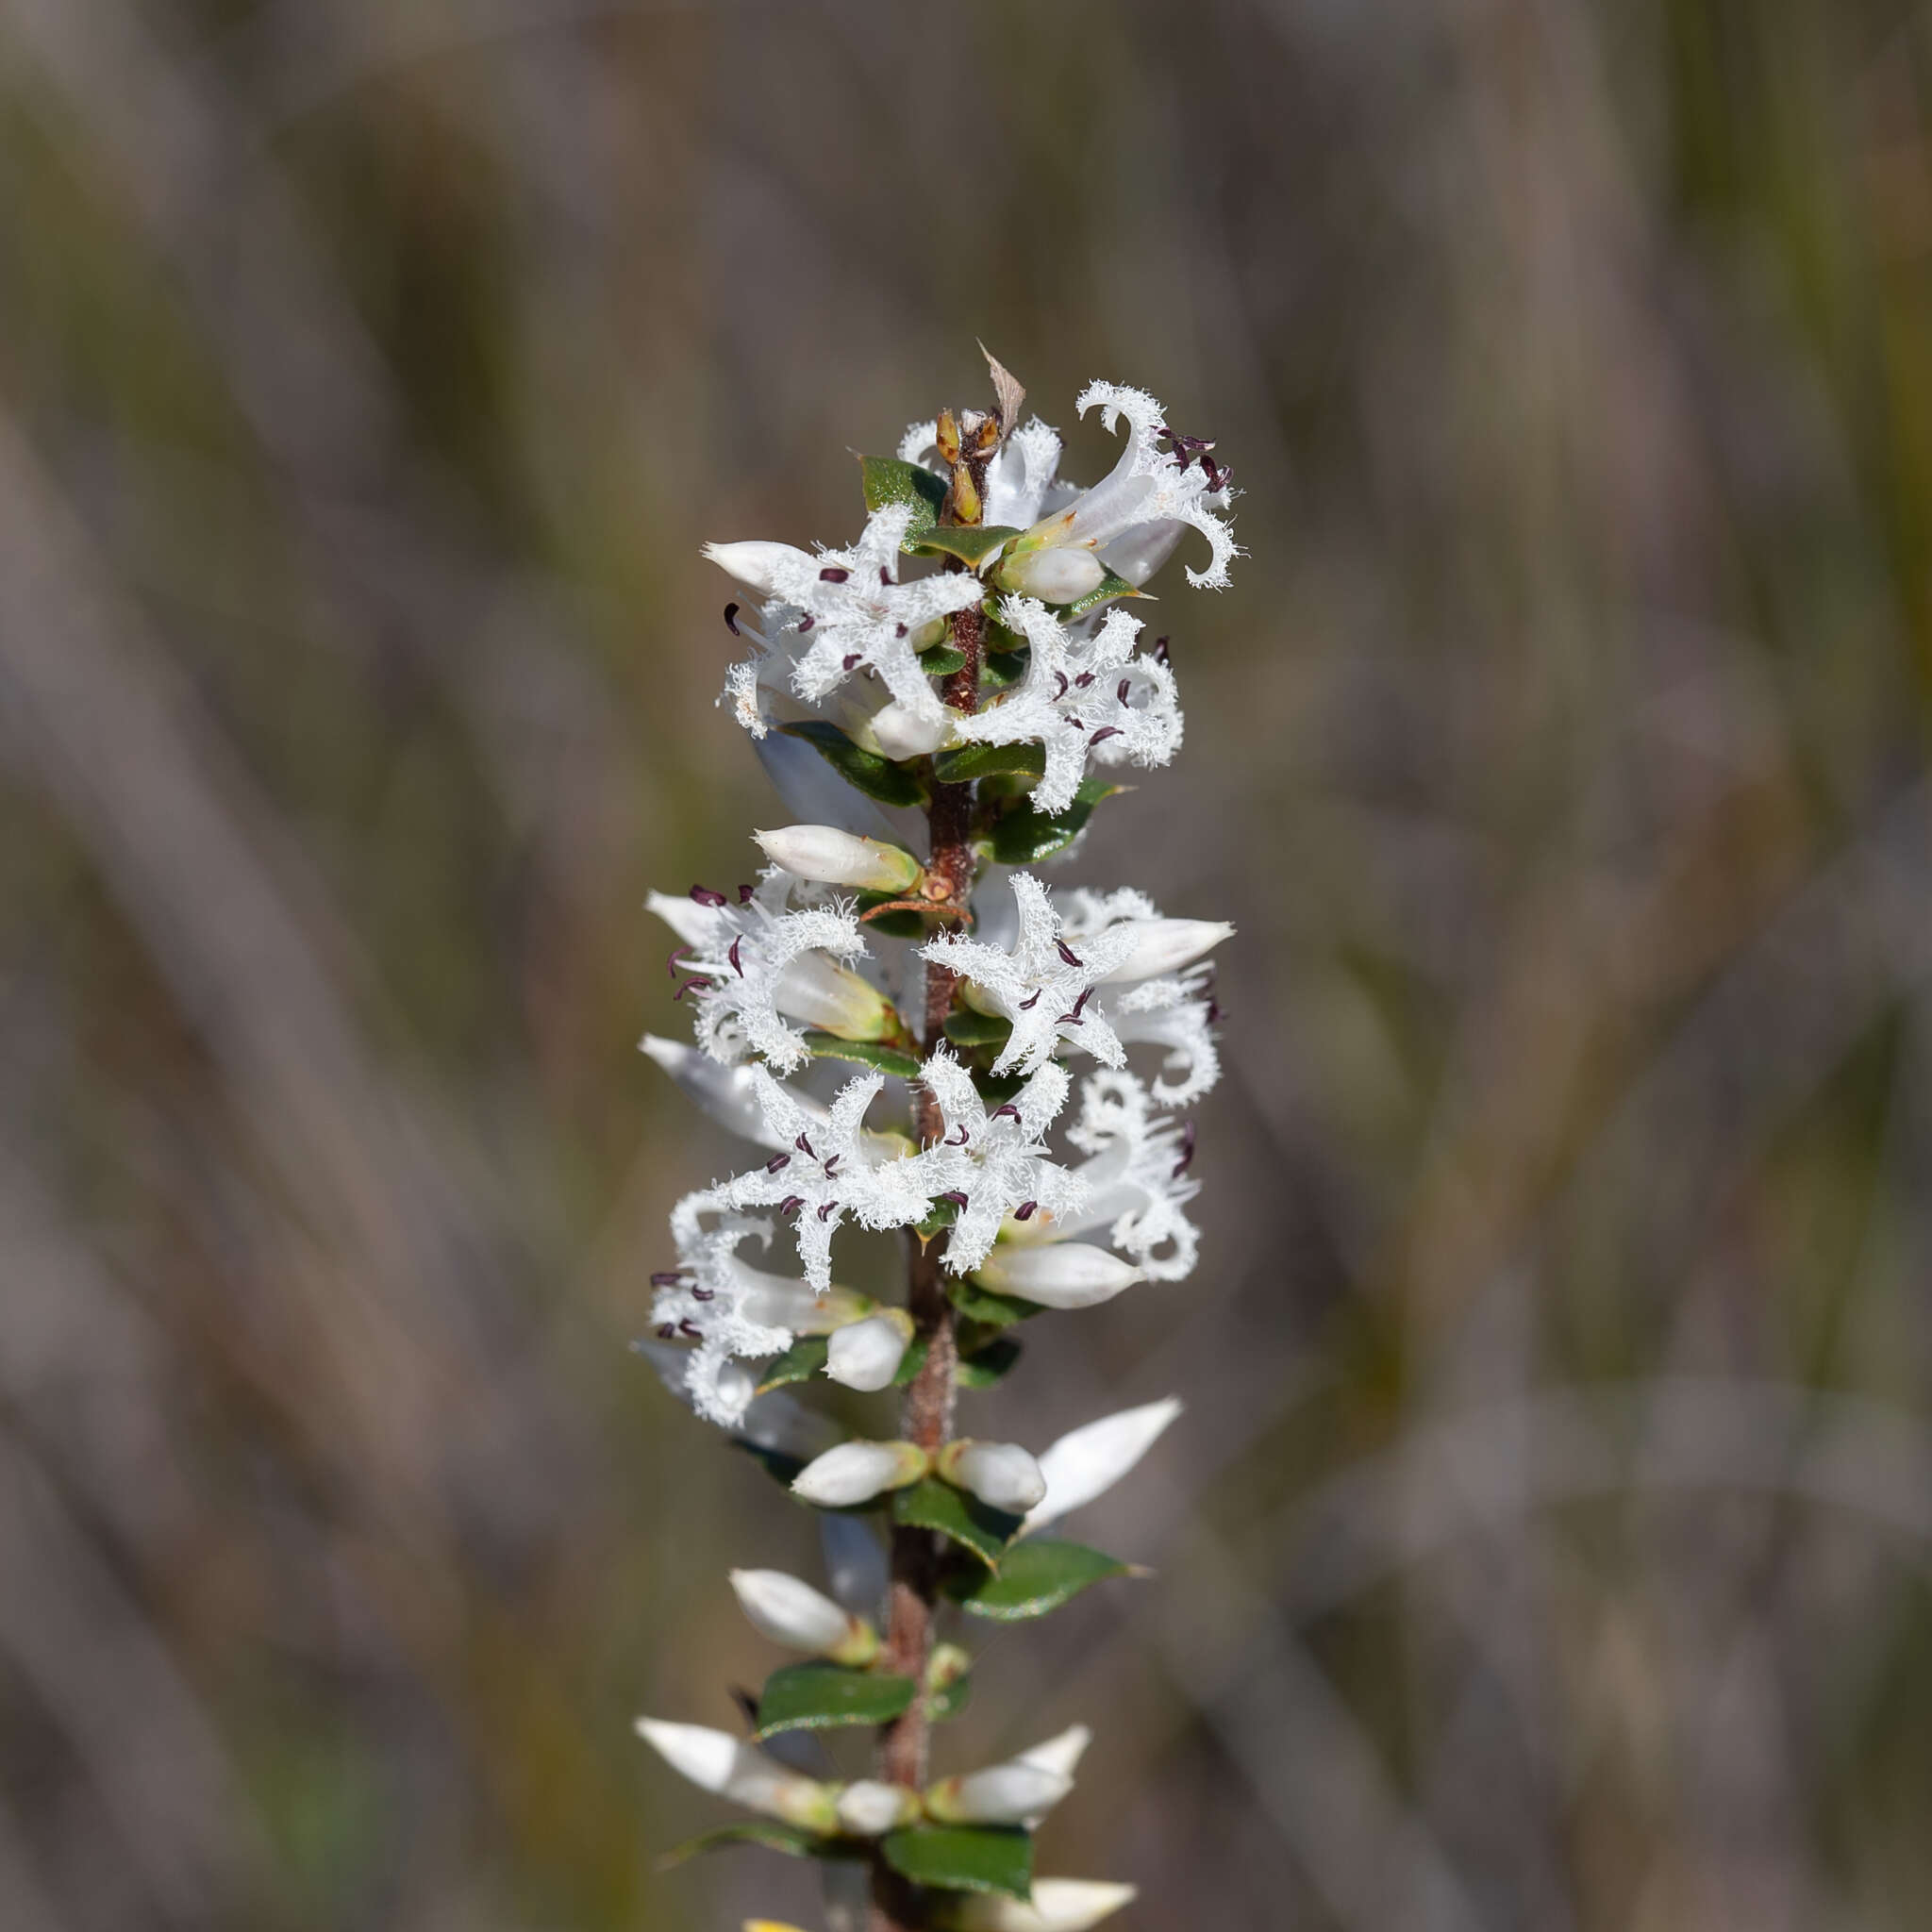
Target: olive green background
1546	1545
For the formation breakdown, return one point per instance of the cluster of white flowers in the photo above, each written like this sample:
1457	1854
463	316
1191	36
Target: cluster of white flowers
1050	1183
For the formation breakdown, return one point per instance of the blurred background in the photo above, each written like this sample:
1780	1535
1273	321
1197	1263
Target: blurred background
1547	1542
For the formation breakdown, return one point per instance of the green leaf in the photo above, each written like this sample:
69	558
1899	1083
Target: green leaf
1109	588
999	669
997	1088
877	777
930	1503
777	1463
1036	1575
799	1363
960	1857
767	1832
820	1697
988	1365
887	479
1026	835
938	1218
941	660
970	761
969	1028
972	543
865	1053
991	1310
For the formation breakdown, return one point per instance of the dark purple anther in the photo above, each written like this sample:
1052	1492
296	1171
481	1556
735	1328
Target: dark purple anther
1027	1006
704	896
744	895
885	575
1068	954
790	1204
671	959
961	1141
703	1294
1026	1210
806	622
804	1146
667	1277
777	1163
1069	1020
1180	1166
958	1199
1084	678
1122	689
1160	652
737	965
666	1330
850	658
1080	1004
691	1329
1009	1109
825	1212
832	1165
1214	1012
1105	731
898	630
1062	691
831	574
731	619
685	986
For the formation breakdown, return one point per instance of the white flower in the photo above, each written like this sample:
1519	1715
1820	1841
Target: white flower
841	612
1129	514
1086	696
774	1422
726	1093
1136	1181
1088	1461
1001	1475
833	857
1057	1905
1015	1793
791	1613
1043	985
855	1473
866	1354
827	1169
1054	577
997	1161
868	1809
753	963
716	1761
1061	1753
1177	1012
1063	1275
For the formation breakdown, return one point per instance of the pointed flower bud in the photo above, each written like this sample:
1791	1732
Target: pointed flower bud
856	1471
794	1614
1167	945
1002	1474
716	1761
1060	1753
840	858
1057	1905
1009	1794
1063	1275
897	731
868	1809
866	1354
756	564
1054	577
1088	1461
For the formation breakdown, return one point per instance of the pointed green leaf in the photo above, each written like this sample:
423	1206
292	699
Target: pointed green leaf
941	660
1109	587
990	1311
930	1503
969	1028
973	544
999	669
819	1696
865	1053
1026	835
1035	1576
958	1858
767	1832
988	1365
968	761
889	480
939	1217
799	1363
877	777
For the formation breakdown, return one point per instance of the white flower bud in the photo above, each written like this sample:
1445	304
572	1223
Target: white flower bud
868	1809
866	1354
1057	1905
780	1301
897	731
1166	945
1002	1474
1011	1793
756	564
1063	1275
822	993
794	1614
1060	575
1088	1461
716	1761
840	858
1061	1753
856	1471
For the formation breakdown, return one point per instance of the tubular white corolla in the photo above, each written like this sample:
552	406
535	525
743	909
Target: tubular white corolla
715	1761
1057	1905
868	1808
1001	1475
1088	1461
1167	945
1066	1275
856	1471
791	1613
866	1354
1015	1793
840	858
